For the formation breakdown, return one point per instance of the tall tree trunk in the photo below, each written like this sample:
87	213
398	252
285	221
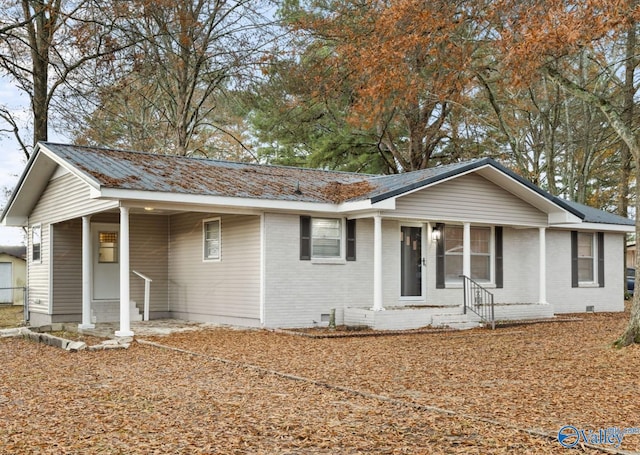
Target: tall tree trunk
627	115
39	102
631	334
43	22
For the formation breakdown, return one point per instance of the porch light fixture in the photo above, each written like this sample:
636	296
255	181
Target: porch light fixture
435	234
149	209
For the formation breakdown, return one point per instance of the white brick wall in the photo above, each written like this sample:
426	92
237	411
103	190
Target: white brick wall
517	312
389	319
521	269
566	299
298	292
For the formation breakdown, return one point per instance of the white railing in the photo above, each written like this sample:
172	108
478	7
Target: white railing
147	291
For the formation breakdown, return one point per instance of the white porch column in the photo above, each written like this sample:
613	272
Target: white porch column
377	263
542	296
125	330
466	250
86	274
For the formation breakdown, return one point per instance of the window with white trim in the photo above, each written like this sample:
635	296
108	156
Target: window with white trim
326	238
453	246
481	253
586	257
36	243
211	239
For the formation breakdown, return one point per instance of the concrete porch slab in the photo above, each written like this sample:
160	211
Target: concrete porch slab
395	318
156	327
414	317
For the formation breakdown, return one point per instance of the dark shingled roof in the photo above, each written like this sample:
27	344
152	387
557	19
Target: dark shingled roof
592	215
138	171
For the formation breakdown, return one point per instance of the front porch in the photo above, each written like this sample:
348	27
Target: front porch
414	317
115	266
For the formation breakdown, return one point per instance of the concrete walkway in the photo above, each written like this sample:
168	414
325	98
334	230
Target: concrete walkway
156	327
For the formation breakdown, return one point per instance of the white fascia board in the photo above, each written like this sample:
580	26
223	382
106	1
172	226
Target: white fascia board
17	221
563	218
92	182
32	183
438	182
462	220
40	169
595	227
174	207
217	201
521	191
387	204
358	206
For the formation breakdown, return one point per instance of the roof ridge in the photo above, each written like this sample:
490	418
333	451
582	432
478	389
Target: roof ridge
212	160
438	168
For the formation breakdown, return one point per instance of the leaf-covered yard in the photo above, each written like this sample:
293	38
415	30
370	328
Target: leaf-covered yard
11	316
262	392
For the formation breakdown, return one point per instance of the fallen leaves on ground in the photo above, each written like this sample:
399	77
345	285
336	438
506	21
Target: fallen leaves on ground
151	400
540	376
11	316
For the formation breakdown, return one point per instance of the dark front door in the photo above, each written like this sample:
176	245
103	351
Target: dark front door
411	261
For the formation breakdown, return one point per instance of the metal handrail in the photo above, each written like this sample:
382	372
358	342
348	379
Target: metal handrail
478	300
147	291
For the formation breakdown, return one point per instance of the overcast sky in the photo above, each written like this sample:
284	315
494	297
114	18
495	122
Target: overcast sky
12	159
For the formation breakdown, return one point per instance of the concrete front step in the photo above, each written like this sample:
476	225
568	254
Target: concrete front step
109	311
412	317
457	321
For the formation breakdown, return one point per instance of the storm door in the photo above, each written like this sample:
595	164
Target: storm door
410	261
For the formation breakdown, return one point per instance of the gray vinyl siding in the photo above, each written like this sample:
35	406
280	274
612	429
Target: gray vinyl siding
64	198
38	272
149	255
566	299
469	198
218	291
298	293
67	268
